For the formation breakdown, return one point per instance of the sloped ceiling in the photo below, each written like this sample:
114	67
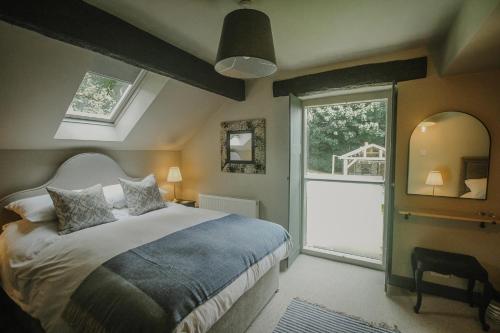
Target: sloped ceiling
473	41
40	77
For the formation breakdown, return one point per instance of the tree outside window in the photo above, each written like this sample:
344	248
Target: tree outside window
337	129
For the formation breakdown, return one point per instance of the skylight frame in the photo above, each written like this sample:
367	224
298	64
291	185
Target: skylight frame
116	112
140	101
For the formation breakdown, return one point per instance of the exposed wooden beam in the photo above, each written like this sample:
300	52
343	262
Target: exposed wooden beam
370	74
80	24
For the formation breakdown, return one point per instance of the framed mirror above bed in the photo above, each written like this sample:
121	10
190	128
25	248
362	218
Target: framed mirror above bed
243	146
449	156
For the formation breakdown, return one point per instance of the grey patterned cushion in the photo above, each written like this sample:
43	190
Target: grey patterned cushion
142	196
81	209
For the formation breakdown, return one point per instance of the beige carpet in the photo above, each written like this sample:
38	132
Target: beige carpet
360	292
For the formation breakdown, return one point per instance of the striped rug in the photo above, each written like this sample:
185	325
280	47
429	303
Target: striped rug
304	317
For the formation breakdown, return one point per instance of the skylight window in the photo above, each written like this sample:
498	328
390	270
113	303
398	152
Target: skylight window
104	91
98	97
110	100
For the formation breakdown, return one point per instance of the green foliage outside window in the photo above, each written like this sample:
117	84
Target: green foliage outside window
337	129
98	94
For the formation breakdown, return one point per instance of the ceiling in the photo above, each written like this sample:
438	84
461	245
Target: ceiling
41	75
306	33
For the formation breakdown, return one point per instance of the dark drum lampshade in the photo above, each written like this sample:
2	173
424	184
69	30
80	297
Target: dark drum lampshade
246	49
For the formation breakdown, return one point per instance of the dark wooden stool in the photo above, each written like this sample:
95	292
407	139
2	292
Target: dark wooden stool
459	265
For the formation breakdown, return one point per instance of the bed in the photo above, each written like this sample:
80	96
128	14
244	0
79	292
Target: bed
63	282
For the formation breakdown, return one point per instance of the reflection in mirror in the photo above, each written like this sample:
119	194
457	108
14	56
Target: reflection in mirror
241	148
449	157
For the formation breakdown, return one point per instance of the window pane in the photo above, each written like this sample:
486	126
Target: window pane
347	139
345	217
97	96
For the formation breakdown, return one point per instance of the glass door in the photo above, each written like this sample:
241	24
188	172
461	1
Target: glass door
344	177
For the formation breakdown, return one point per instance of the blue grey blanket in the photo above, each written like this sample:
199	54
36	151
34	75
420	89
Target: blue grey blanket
153	287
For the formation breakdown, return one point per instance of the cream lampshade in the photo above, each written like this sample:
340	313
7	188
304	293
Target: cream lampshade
434	178
174	176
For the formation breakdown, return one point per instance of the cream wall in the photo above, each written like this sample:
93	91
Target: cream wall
201	156
476	94
22	169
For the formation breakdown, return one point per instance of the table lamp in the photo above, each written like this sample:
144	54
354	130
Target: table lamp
434	178
174	176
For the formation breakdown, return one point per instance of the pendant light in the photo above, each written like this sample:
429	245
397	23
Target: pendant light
246	49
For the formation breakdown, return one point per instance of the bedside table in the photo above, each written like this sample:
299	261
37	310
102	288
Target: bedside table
187	203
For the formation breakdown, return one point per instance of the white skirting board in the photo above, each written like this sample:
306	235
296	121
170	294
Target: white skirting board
245	207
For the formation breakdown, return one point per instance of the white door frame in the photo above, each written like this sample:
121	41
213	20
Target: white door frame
353	95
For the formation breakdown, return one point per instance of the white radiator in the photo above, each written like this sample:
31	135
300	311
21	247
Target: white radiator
245	207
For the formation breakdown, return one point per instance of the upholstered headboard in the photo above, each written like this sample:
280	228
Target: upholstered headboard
472	168
79	171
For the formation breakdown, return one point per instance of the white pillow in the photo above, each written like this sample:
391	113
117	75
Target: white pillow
116	198
477	187
469	195
34	209
163	192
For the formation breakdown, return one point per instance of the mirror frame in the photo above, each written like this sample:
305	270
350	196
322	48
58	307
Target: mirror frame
445	196
228	146
258	126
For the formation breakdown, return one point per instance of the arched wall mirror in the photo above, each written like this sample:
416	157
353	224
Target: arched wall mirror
449	157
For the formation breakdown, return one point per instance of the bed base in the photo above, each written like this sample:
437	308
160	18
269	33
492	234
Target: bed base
250	304
236	320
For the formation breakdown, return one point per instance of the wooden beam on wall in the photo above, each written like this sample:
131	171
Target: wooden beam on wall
363	75
83	25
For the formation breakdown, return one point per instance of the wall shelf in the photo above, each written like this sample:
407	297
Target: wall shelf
480	218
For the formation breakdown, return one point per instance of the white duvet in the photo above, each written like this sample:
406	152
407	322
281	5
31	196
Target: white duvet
40	269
